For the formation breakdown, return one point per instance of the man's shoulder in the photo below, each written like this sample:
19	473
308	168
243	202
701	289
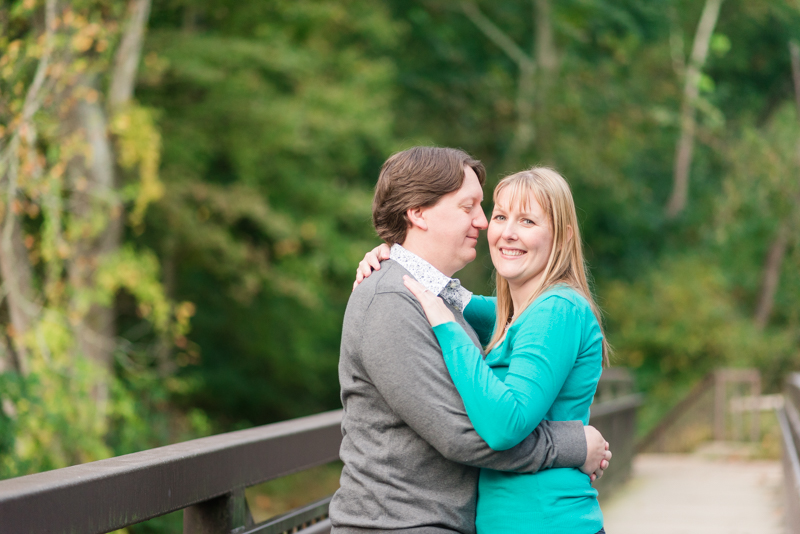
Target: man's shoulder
382	304
389	279
383	289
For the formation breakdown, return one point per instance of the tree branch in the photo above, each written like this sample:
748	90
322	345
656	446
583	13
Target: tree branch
126	62
691	90
496	35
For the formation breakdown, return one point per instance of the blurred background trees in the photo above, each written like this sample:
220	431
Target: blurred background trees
179	240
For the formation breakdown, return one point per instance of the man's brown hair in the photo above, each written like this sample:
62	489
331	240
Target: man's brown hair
417	178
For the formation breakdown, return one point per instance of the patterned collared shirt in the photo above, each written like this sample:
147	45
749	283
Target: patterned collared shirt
450	289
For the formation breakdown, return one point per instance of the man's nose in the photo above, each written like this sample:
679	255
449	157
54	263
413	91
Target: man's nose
480	221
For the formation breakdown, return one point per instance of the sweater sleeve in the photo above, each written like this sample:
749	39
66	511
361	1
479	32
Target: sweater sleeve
405	365
545	347
481	314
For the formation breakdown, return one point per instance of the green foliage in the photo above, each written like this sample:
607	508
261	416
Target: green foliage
275	118
679	321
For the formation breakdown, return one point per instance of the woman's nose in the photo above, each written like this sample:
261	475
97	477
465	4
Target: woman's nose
509	232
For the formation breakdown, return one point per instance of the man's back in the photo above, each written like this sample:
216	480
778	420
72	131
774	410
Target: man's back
410	452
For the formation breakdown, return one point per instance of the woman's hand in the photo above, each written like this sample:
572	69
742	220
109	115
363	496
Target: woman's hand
434	307
371	262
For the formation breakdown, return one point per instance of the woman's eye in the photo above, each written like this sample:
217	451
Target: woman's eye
499	218
527	221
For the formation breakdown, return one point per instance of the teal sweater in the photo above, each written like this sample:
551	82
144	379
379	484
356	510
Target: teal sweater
546	368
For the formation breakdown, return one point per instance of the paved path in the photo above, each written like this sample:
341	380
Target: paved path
698	494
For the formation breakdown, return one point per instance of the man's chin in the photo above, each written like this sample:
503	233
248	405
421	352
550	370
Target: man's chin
467	258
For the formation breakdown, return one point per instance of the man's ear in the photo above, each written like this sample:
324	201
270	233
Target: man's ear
416	216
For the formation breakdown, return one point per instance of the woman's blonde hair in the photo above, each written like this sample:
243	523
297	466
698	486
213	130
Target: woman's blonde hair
566	264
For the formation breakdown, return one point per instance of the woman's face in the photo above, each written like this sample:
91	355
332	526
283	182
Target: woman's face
519	241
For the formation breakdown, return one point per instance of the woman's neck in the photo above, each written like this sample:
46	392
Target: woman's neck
521	293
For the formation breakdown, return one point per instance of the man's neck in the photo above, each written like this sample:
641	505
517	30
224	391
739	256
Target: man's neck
427	252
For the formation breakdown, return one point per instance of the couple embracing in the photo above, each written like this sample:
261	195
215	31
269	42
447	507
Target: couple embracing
465	413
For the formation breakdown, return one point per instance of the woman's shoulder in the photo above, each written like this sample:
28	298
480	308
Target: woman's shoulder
562	294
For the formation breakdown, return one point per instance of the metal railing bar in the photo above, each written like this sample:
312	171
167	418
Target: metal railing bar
317	510
787	434
793	418
110	494
794	380
323	527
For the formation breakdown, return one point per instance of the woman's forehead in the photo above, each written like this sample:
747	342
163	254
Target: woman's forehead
517	196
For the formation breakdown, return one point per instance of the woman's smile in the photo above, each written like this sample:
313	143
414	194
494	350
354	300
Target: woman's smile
511	251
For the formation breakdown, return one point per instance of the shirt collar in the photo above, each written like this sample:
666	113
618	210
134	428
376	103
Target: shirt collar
432	278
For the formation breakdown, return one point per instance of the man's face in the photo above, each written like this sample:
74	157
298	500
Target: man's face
454	224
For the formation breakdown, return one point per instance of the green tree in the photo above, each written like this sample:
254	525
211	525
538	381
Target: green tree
78	161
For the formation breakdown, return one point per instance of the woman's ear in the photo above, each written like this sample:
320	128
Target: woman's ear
570	233
416	216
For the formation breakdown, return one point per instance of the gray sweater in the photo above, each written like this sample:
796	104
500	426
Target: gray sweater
410	453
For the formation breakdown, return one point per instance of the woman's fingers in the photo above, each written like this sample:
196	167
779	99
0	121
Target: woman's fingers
434	307
371	262
415	287
383	251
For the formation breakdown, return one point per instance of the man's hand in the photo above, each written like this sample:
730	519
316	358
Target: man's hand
371	262
597	453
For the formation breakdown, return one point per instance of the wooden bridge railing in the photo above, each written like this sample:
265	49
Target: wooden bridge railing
206	477
789	418
716	408
614	415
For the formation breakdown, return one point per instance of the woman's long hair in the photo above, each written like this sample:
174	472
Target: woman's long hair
565	264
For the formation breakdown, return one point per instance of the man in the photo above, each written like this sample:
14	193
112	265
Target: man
410	452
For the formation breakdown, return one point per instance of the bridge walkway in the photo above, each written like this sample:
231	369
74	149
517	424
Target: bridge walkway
715	490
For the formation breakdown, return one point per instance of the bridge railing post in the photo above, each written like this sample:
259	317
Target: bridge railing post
219	515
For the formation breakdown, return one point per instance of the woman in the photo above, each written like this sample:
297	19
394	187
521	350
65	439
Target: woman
545	351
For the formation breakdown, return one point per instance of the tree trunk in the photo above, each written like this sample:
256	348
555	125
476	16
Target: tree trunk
15	268
94	193
771	277
547	63
17	281
94	182
780	245
546	57
525	131
691	90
